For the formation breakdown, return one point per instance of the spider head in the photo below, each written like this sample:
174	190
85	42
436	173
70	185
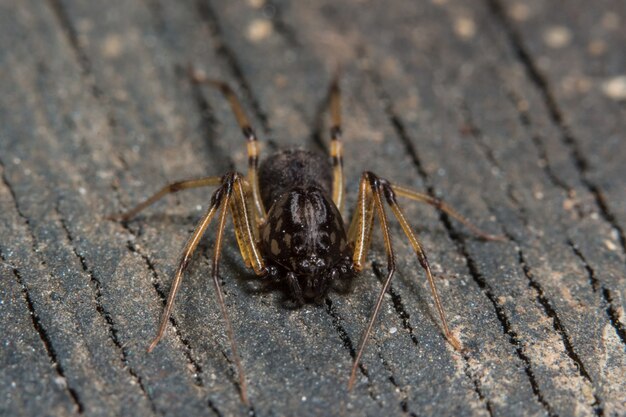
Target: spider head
304	235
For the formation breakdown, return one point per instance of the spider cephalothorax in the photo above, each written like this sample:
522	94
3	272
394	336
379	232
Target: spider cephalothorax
302	238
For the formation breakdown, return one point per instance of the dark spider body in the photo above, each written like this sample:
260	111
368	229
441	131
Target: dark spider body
303	238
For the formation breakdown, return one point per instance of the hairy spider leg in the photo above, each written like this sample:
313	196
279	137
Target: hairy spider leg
336	147
168	189
230	195
371	190
248	132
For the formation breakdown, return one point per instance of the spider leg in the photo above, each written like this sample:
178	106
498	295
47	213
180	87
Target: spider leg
371	183
336	148
371	191
248	132
360	231
421	256
246	226
222	304
296	290
168	189
188	250
230	195
446	208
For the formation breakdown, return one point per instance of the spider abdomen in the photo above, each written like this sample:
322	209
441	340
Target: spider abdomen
291	168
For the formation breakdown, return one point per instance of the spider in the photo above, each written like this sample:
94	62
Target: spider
302	238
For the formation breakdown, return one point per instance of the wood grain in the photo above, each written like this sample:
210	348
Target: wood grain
510	111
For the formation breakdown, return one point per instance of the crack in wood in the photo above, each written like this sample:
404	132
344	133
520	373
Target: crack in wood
477	384
525	120
216	410
43	336
25	219
348	344
558	327
556	323
606	294
69	30
36	322
186	344
47	343
594	282
614	314
106	315
503	319
477	135
222	49
404	403
543	301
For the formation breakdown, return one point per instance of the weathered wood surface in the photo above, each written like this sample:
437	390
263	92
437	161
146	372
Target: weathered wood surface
512	111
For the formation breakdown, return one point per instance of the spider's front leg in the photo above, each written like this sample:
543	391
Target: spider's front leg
233	195
372	191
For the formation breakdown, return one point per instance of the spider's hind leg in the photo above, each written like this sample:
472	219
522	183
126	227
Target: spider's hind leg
336	147
247	130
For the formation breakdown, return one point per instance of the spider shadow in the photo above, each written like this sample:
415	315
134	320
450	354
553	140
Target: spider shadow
256	286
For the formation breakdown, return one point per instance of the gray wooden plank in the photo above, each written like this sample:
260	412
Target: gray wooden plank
97	112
